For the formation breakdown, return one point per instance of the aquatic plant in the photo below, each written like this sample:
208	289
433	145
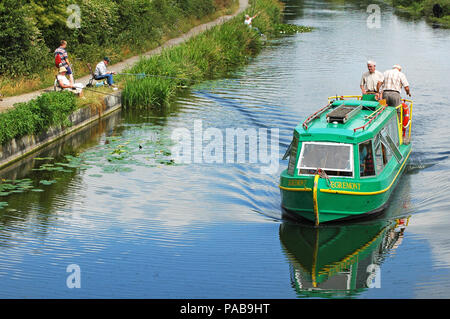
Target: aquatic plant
8	187
291	28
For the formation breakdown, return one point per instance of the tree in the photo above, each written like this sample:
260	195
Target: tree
22	50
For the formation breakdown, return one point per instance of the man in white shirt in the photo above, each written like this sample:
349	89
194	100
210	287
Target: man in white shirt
370	79
392	84
248	20
101	72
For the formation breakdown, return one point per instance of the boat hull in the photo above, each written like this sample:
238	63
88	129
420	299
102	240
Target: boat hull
338	199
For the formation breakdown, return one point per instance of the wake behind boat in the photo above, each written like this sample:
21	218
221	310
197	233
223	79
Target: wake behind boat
346	159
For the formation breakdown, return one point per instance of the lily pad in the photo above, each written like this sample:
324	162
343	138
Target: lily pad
45	182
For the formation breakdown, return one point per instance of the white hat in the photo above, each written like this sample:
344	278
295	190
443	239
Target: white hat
396	66
371	62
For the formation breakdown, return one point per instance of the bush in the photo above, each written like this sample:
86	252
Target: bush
22	49
33	117
429	4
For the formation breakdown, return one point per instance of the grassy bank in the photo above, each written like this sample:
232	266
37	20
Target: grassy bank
31	31
213	54
434	11
37	115
210	55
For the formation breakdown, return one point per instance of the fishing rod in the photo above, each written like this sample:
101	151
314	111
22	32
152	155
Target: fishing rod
143	75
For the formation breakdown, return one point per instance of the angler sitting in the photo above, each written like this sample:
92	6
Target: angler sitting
63	82
101	72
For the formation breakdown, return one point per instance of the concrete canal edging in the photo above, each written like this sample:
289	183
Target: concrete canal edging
18	148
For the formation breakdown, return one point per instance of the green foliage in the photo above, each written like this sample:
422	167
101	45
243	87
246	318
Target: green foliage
35	116
291	28
197	8
21	49
428	7
31	30
209	55
424	8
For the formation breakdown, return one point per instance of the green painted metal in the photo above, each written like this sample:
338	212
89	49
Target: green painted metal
333	260
343	197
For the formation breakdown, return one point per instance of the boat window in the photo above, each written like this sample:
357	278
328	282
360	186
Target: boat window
334	158
393	132
379	158
366	165
384	147
392	147
292	153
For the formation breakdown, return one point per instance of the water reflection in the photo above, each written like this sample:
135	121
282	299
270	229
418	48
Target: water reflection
339	261
344	259
41	200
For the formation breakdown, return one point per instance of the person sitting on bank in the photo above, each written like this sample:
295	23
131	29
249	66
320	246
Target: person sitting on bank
370	79
102	73
392	85
65	84
62	59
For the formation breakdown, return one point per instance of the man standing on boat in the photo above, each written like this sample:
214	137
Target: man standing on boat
370	79
392	84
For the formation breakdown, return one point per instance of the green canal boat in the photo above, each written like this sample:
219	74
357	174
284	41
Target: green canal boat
339	260
346	159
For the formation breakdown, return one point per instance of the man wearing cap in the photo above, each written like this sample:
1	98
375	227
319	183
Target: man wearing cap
370	79
392	84
101	72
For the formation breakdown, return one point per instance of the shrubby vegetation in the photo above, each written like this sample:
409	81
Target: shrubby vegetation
35	116
210	55
31	30
437	11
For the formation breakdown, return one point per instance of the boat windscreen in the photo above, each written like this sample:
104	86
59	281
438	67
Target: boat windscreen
326	156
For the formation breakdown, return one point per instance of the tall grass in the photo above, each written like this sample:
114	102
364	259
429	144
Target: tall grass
35	116
122	37
209	55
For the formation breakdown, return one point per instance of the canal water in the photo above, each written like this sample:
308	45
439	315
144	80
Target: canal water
112	213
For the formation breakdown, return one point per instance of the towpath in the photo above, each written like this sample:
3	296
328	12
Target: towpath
8	102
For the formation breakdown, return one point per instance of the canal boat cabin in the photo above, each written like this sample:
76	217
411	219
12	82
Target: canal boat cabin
346	159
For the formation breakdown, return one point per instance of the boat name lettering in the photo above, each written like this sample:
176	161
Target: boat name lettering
296	182
345	185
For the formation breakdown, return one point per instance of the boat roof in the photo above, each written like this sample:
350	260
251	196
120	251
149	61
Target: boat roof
358	128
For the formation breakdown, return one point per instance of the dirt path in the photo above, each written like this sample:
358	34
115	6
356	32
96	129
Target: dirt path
8	102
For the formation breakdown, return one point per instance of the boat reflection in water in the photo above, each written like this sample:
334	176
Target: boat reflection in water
339	260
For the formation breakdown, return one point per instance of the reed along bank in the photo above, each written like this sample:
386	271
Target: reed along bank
212	54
